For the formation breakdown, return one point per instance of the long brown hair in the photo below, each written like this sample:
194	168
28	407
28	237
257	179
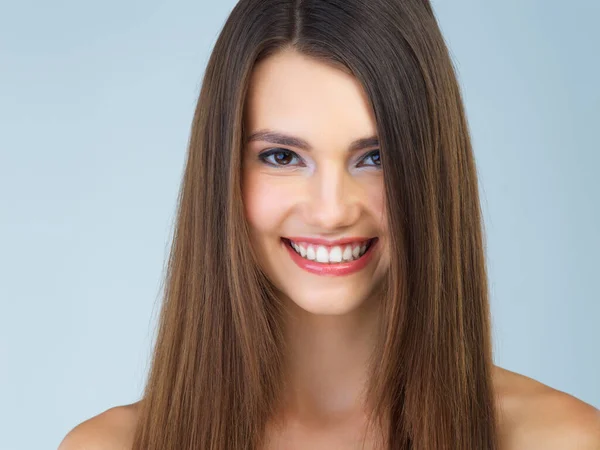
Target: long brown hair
216	372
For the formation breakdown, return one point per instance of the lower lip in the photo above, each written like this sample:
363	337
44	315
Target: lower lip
331	269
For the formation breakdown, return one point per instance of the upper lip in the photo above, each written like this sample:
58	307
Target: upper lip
329	242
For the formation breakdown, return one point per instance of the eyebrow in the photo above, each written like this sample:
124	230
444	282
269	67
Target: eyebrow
278	138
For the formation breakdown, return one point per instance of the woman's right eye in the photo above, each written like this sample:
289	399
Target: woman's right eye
278	157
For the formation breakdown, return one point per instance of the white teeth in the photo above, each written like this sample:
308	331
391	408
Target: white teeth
326	255
347	256
335	255
322	254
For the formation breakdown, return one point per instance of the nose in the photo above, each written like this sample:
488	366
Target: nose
333	200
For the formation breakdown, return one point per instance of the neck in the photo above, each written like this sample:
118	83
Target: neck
326	364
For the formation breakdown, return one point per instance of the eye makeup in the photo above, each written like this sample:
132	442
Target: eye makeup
281	157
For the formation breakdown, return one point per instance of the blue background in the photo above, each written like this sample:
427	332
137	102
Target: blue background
96	102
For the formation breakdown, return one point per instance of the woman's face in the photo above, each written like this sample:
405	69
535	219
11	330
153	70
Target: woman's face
320	183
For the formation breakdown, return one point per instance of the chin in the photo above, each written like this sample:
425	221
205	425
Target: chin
337	301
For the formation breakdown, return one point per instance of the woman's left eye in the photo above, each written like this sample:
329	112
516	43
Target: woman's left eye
374	156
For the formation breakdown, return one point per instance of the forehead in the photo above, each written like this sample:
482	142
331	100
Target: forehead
293	93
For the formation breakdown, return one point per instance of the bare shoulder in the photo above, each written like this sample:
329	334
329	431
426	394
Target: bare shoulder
112	429
535	416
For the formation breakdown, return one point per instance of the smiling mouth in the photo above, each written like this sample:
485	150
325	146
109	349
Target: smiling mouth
331	261
338	254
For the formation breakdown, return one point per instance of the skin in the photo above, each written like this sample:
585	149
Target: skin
532	416
328	192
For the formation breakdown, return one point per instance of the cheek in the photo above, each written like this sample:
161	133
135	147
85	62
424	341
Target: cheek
376	201
266	202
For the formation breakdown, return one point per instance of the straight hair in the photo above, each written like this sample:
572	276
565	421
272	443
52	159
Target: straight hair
216	376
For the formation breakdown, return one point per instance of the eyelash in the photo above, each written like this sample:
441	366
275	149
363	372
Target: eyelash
268	153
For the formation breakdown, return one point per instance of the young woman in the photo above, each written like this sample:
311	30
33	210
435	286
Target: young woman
327	285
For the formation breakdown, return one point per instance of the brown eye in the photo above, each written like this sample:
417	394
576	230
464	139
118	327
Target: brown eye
282	157
374	156
278	157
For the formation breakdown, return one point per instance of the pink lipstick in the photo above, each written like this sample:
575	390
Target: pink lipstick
332	269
